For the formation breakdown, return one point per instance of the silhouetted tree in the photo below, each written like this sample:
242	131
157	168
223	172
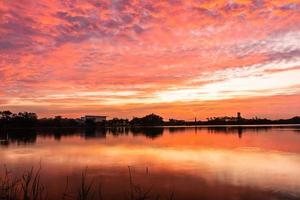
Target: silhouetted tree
6	115
117	122
8	118
90	123
148	120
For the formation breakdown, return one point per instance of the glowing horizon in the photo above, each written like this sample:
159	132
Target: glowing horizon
123	58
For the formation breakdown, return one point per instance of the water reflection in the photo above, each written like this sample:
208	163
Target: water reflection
195	162
20	137
29	136
148	132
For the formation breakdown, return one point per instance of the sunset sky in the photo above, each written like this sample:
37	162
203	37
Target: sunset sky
177	58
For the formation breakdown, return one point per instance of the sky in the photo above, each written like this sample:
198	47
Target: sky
177	58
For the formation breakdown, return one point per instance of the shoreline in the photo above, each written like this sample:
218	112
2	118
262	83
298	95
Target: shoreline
154	126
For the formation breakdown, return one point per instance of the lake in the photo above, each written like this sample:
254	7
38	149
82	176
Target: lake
247	162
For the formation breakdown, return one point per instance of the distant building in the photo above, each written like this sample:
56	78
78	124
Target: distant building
239	116
94	118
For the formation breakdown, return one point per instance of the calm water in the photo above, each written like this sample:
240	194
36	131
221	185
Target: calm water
193	163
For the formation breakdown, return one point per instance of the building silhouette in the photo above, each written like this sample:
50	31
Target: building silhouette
239	116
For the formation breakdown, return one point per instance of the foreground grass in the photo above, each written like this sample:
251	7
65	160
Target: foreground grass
28	186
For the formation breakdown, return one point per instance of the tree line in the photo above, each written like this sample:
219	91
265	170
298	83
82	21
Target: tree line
29	119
